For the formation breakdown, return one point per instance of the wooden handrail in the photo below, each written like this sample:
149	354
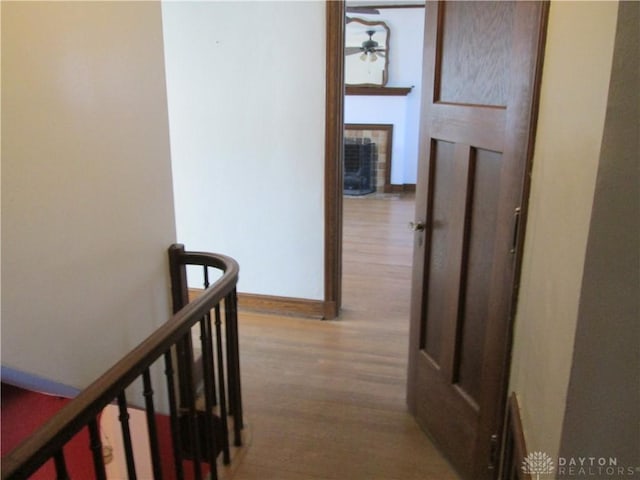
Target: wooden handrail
43	445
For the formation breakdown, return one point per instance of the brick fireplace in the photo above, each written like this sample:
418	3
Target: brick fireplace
380	136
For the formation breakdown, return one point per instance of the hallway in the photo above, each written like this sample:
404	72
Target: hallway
326	399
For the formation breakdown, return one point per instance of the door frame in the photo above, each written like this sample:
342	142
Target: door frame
333	151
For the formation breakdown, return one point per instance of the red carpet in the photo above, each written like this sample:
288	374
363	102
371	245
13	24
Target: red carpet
23	411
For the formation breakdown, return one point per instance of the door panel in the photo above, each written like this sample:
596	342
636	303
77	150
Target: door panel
445	257
480	75
475	305
471	71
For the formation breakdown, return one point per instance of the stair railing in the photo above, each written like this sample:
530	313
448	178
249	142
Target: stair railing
199	428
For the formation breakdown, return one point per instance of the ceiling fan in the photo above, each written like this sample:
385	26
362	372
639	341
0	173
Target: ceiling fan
369	49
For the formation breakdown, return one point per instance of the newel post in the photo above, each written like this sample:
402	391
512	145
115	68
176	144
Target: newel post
178	272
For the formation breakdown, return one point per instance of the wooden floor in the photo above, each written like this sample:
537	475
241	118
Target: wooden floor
326	399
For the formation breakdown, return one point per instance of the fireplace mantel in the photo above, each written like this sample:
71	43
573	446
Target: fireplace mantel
382	91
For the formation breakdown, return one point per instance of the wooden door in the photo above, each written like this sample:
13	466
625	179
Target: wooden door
481	68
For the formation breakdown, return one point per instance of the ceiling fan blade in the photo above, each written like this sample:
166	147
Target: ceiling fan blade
381	54
352	50
369	10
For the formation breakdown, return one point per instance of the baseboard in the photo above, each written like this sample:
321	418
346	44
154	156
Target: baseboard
35	383
281	305
290	306
400	188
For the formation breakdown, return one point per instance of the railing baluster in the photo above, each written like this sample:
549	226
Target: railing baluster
184	349
229	354
151	425
238	383
95	444
61	466
173	416
190	404
226	456
233	365
207	366
212	384
126	435
205	274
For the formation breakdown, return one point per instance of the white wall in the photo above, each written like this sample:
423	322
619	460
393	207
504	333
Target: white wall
573	101
405	70
246	90
87	212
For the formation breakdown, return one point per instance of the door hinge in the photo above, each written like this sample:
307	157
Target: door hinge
516	228
494	451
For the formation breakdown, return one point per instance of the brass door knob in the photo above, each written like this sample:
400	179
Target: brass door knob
416	226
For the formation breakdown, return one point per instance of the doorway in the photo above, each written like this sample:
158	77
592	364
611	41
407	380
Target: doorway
387	111
380	144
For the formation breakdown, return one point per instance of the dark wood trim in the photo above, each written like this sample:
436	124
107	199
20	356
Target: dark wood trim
331	311
379	91
334	121
514	448
252	302
368	126
178	272
404	188
388	129
282	305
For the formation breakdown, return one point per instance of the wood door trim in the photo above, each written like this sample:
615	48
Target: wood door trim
334	120
514	448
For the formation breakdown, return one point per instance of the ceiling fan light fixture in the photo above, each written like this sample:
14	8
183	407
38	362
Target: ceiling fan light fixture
373	57
363	57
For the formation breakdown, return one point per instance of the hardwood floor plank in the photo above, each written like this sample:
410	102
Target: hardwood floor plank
326	400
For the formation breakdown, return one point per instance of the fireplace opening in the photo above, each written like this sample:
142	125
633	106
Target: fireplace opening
360	158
